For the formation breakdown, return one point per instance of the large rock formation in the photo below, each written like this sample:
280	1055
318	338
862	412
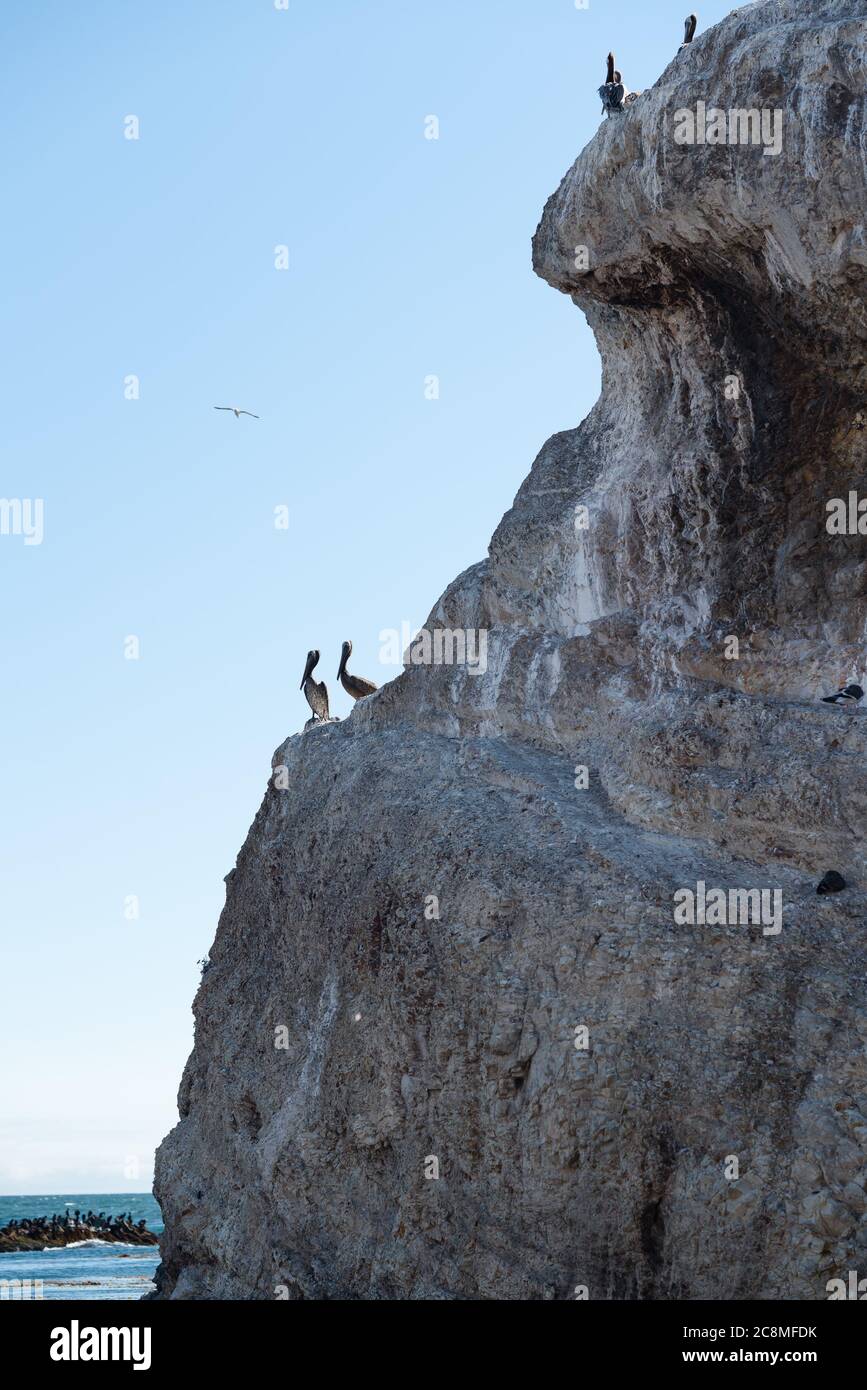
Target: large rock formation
725	286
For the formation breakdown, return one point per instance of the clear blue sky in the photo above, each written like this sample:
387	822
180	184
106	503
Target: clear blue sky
408	257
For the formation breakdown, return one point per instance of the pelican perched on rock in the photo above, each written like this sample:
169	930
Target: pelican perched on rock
611	91
613	94
688	31
356	686
315	692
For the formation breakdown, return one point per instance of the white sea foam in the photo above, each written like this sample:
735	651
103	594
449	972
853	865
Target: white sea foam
84	1244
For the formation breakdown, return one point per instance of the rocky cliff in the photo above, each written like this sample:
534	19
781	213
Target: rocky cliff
454	1041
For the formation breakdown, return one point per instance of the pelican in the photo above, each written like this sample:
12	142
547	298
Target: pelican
688	30
356	686
613	93
315	692
238	413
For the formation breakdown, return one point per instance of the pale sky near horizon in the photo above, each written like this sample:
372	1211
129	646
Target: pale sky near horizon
155	257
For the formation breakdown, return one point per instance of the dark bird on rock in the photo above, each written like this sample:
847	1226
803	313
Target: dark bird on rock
849	695
612	91
356	686
832	883
613	94
315	692
688	30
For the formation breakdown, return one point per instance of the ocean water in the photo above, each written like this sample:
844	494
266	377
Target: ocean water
92	1269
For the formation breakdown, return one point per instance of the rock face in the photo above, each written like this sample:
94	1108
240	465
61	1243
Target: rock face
431	902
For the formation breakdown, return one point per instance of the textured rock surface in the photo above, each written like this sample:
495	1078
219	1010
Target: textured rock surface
411	1037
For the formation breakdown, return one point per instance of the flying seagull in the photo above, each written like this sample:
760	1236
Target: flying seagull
237	411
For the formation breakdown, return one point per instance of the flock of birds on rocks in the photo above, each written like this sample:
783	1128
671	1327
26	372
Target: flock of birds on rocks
93	1220
613	92
63	1228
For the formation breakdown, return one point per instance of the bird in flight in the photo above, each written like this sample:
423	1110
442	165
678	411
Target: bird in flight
238	412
